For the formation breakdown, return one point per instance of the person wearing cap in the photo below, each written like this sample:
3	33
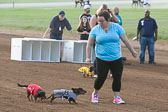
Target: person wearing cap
86	9
57	25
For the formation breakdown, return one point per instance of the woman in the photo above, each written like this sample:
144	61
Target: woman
83	28
103	7
107	36
93	22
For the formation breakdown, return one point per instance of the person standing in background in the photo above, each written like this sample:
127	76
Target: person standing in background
148	29
57	26
86	12
88	2
116	13
102	8
84	28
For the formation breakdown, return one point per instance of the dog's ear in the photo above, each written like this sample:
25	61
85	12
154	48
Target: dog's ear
80	89
74	90
91	68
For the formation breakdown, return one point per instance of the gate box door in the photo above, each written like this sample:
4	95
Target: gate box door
35	49
75	51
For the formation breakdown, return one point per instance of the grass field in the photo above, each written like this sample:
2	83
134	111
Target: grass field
37	1
39	18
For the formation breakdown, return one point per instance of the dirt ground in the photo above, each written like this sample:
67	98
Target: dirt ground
144	86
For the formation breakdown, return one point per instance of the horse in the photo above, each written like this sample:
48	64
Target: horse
81	2
135	2
141	2
145	3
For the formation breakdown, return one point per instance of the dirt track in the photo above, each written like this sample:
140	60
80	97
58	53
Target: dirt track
144	87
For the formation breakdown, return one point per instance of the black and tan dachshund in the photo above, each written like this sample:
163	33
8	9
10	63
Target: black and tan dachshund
71	96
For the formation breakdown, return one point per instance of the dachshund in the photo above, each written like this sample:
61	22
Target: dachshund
71	96
34	90
86	71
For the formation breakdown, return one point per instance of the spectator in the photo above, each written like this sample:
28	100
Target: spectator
147	27
108	54
86	12
88	2
57	25
84	28
116	13
103	7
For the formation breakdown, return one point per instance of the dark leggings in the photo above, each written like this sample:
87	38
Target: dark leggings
103	67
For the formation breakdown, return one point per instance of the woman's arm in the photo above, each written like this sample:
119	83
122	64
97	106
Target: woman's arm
93	21
128	45
88	49
74	37
46	32
84	32
114	17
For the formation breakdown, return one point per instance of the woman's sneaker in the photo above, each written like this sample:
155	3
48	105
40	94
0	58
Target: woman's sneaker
95	75
118	100
94	98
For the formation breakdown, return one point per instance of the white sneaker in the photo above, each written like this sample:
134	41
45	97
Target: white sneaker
95	76
118	100
135	38
94	98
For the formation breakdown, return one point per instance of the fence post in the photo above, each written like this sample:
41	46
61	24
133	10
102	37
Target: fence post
13	3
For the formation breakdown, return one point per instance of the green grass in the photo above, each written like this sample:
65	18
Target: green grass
38	1
39	19
130	21
32	1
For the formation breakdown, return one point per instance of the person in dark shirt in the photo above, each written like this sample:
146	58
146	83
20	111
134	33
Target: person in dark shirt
84	28
88	2
148	30
57	26
86	9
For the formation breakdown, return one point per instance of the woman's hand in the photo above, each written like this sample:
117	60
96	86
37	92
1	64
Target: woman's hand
134	54
88	60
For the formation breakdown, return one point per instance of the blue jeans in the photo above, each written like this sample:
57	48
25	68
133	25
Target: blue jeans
55	37
147	42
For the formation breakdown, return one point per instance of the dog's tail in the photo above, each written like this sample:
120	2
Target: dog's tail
22	85
50	96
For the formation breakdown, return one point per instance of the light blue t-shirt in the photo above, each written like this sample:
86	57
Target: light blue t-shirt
108	43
